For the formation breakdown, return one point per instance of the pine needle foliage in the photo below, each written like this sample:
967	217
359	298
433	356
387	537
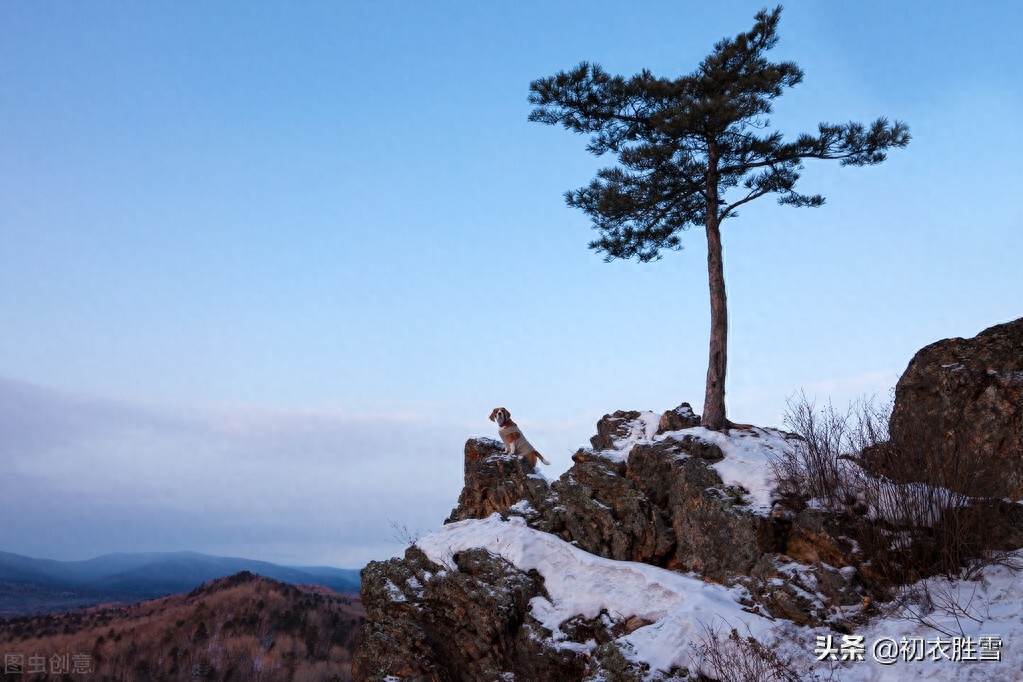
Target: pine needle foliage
692	150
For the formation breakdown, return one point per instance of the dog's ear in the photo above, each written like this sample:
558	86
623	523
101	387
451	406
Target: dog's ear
493	415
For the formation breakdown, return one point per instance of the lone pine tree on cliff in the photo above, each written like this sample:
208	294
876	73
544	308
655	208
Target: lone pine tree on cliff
690	152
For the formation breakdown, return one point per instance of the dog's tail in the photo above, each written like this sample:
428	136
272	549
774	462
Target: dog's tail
540	457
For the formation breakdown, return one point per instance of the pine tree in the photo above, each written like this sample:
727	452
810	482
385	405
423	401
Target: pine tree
693	150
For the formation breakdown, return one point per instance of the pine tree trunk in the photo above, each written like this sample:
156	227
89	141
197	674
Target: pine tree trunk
714	400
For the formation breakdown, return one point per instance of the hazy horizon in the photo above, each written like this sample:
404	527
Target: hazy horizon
180	552
265	266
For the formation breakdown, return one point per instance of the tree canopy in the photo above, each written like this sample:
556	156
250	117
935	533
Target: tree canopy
692	150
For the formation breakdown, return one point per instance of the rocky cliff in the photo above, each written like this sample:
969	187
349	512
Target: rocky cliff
653	489
663	533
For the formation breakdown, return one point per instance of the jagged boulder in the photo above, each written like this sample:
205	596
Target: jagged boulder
593	505
495	481
662	504
394	638
714	533
472	623
614	427
604	512
694	446
681	417
961	400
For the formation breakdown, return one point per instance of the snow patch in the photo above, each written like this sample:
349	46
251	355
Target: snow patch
415	586
395	594
641	429
747	463
523	507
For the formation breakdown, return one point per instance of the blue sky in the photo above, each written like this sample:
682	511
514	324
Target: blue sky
265	266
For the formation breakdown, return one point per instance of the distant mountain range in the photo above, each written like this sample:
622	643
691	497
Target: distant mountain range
29	586
243	627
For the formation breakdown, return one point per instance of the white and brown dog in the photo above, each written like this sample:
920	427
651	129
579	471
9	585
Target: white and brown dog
514	442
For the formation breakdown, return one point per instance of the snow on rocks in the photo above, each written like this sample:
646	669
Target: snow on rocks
680	609
748	453
582	584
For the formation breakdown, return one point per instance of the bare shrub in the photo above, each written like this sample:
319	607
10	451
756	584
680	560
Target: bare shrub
913	515
402	534
920	602
734	658
933	515
824	466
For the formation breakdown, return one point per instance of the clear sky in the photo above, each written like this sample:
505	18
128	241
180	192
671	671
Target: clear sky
265	266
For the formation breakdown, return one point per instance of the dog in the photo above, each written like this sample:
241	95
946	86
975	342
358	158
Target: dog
514	442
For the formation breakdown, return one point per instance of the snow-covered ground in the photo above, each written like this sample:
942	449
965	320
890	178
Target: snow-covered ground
981	640
682	607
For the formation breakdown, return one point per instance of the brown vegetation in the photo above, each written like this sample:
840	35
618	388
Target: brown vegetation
911	515
243	627
736	658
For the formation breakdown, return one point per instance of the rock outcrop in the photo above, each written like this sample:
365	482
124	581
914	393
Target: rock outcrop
666	505
657	489
424	623
634	496
613	428
498	481
713	532
681	417
960	402
601	510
